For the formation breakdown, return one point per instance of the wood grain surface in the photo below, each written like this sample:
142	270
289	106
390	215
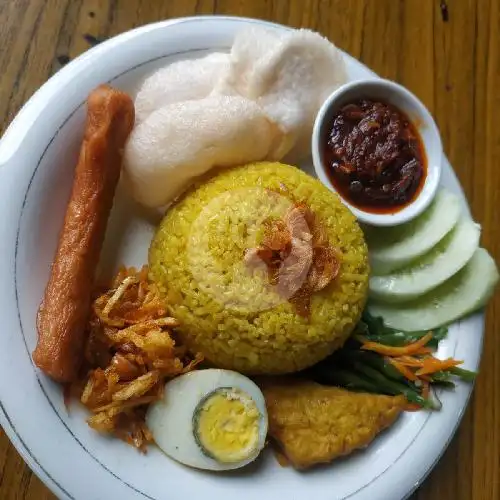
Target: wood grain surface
448	53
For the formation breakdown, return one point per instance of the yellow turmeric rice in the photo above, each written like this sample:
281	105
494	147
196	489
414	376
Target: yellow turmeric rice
232	314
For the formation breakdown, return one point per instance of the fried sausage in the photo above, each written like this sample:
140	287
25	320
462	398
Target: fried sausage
64	310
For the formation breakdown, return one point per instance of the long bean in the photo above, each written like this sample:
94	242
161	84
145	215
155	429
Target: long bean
391	386
375	329
375	361
448	384
358	370
346	379
400	339
375	324
464	374
441	376
440	333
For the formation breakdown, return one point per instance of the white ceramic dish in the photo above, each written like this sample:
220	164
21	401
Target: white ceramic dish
37	157
404	100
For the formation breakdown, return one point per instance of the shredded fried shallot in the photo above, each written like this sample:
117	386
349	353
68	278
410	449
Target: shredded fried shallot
299	259
131	351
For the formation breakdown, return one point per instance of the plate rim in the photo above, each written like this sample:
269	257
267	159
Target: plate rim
23	115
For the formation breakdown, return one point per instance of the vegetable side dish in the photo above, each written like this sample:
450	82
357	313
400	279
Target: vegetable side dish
430	271
382	360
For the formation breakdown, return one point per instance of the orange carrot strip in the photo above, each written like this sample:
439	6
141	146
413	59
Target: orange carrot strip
397	351
405	371
423	351
409	361
432	365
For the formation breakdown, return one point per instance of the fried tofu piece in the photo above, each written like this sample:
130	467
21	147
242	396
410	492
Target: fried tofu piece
315	424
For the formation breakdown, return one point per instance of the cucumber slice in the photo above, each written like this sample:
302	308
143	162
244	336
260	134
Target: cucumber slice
443	261
462	294
394	247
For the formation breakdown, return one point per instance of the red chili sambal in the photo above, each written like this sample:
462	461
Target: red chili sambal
375	157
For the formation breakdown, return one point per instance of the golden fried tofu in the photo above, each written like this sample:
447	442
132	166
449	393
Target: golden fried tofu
315	424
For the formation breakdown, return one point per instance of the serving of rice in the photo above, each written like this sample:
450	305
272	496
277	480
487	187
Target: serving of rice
232	315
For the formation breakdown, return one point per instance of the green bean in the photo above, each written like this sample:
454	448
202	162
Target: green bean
443	376
397	339
377	378
375	325
392	387
377	362
444	383
348	380
466	375
443	379
440	333
378	332
361	328
400	339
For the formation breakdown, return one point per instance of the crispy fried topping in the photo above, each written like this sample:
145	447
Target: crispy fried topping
325	268
294	268
297	255
131	351
277	235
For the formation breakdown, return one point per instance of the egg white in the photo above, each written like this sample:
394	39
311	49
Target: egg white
171	419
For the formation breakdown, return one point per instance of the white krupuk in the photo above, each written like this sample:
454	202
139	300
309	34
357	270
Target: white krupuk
180	81
184	140
289	74
256	103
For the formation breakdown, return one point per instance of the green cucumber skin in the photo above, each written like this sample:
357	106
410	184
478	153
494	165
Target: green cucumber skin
394	248
464	293
444	261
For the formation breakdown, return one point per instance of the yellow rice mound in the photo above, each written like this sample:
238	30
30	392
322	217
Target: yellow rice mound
231	315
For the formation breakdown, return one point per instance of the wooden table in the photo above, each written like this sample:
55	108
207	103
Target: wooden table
448	53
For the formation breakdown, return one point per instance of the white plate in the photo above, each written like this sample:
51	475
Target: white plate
37	157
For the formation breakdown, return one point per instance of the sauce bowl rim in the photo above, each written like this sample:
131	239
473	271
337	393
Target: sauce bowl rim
431	142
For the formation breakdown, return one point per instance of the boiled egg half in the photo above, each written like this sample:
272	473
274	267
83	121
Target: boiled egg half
210	419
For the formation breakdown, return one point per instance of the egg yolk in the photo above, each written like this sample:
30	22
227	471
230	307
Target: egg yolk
227	425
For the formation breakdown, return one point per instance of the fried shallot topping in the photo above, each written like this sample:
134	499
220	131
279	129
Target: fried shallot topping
131	352
298	256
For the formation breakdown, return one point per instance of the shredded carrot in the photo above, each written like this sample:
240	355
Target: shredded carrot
404	370
397	351
433	365
423	351
409	361
415	362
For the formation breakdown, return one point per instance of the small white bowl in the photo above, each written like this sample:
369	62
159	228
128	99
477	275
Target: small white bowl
392	93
